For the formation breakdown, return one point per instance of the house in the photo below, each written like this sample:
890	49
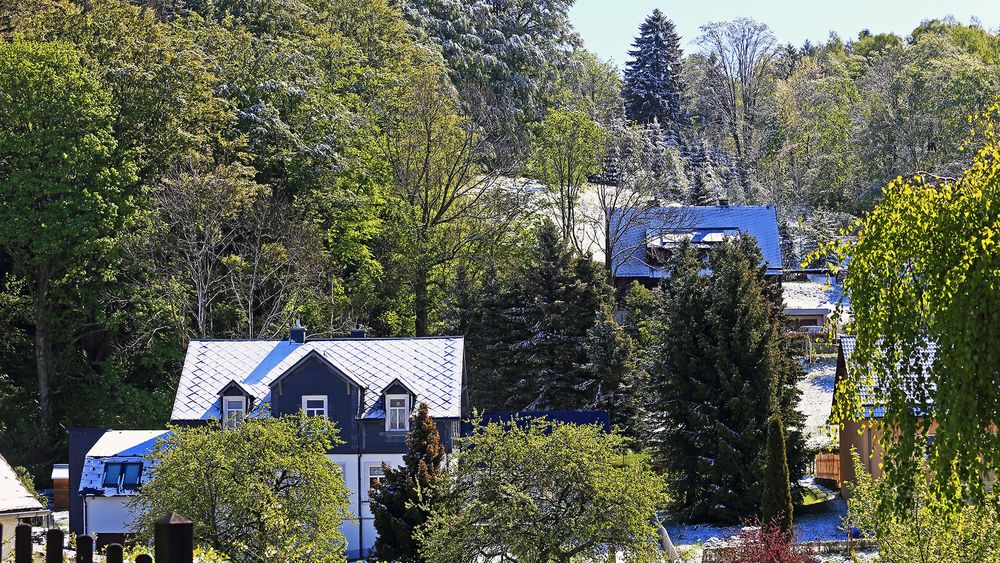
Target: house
368	386
866	433
17	505
644	240
113	470
811	300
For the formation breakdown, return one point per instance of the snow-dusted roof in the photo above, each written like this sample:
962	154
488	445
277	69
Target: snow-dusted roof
14	497
703	223
430	367
820	297
871	394
60	471
117	446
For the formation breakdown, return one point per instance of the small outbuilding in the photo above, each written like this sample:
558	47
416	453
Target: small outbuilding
60	486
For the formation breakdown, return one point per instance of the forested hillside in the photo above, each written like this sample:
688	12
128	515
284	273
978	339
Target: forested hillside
216	169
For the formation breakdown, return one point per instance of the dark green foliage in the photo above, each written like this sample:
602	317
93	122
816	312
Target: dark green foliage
405	499
776	493
548	340
719	368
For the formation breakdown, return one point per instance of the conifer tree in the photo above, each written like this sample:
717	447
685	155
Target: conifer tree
776	493
723	368
402	502
653	87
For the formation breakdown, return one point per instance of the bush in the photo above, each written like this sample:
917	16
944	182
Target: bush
765	542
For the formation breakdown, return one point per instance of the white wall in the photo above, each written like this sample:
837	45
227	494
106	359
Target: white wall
107	515
7	540
360	532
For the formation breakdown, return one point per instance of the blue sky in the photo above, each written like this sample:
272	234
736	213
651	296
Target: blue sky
608	26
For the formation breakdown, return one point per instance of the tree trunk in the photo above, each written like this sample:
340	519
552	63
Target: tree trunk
43	349
421	302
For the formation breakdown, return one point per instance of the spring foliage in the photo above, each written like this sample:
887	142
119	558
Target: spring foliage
539	491
923	279
261	491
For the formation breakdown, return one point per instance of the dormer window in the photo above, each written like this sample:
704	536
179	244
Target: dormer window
397	412
122	476
314	405
234	410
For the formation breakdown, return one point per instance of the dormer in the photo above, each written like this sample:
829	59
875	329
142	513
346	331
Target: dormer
235	402
398	400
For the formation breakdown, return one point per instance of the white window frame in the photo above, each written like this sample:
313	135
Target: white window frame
326	404
367	475
389	409
226	411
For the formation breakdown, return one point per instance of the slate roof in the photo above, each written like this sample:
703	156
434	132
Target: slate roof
703	223
14	497
870	394
431	367
117	446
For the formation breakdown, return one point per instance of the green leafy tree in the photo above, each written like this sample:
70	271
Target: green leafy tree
541	491
924	529
776	493
62	182
263	490
721	366
403	501
923	275
567	148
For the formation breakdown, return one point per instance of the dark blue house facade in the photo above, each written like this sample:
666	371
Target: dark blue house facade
368	386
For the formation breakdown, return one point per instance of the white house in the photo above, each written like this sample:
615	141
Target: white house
113	470
16	505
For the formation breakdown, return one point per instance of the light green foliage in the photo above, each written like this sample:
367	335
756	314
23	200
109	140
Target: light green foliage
567	147
262	491
923	530
545	492
924	269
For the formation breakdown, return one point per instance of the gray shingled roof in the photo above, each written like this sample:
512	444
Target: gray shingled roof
697	221
431	367
870	394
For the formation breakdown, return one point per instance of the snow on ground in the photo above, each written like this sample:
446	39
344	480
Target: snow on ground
817	398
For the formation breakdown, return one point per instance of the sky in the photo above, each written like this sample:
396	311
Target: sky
609	26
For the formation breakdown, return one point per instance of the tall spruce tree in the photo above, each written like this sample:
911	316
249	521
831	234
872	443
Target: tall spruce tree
653	88
776	496
402	502
723	367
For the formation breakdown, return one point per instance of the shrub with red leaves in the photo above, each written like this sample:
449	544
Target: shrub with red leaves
764	543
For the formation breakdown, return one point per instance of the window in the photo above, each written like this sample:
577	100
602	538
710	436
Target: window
375	475
314	405
122	475
397	412
234	409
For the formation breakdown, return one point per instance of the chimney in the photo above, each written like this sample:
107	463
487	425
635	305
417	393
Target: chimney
298	333
723	202
359	332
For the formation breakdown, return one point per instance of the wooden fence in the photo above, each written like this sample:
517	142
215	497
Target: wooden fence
828	467
173	542
726	554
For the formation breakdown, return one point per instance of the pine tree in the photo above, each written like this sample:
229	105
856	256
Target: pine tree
653	87
402	502
776	493
613	368
701	177
724	367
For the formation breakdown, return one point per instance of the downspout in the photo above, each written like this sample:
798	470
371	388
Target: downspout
357	422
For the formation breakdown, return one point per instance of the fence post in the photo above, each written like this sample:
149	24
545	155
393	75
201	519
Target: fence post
54	545
174	539
114	554
143	559
22	543
84	549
